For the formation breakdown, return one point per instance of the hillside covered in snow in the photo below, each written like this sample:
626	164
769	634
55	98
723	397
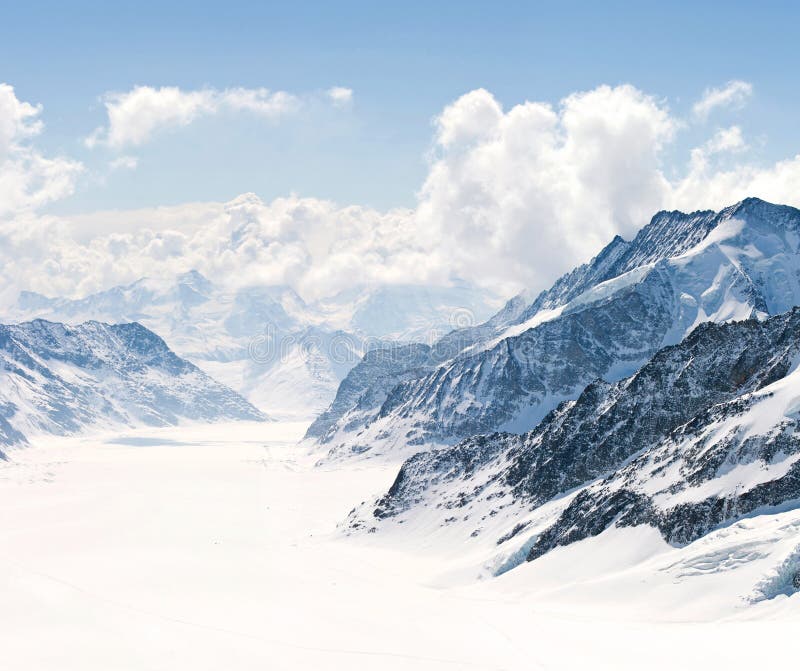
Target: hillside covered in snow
58	379
703	435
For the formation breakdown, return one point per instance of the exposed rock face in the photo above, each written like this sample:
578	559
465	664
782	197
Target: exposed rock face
530	373
705	433
603	320
59	379
362	394
431	475
367	384
731	459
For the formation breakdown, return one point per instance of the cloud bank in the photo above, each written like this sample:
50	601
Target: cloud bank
513	198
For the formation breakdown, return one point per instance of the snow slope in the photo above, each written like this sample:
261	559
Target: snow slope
703	436
58	379
195	549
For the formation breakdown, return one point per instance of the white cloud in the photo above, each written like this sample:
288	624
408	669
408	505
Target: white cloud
124	163
261	101
18	120
726	139
526	193
733	94
707	186
314	245
134	116
27	178
340	96
474	117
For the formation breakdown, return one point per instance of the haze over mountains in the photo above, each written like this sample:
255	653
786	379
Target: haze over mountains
285	355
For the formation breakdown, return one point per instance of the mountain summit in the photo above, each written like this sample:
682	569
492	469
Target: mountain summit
602	320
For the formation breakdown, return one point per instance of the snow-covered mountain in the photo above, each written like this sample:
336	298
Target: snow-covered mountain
705	434
58	379
286	356
364	391
366	386
603	320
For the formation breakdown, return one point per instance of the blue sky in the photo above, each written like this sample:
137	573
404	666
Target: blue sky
497	143
404	63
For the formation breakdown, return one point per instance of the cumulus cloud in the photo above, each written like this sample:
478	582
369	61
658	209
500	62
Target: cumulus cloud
27	178
134	116
340	96
513	198
525	189
473	118
726	139
709	186
733	94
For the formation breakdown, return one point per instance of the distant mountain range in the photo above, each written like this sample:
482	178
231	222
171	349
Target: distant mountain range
286	356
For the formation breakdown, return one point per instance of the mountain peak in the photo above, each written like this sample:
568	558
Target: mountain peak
193	275
753	206
603	319
196	281
33	300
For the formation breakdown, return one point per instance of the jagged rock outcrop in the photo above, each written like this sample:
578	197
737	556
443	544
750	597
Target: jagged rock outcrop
703	434
364	389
